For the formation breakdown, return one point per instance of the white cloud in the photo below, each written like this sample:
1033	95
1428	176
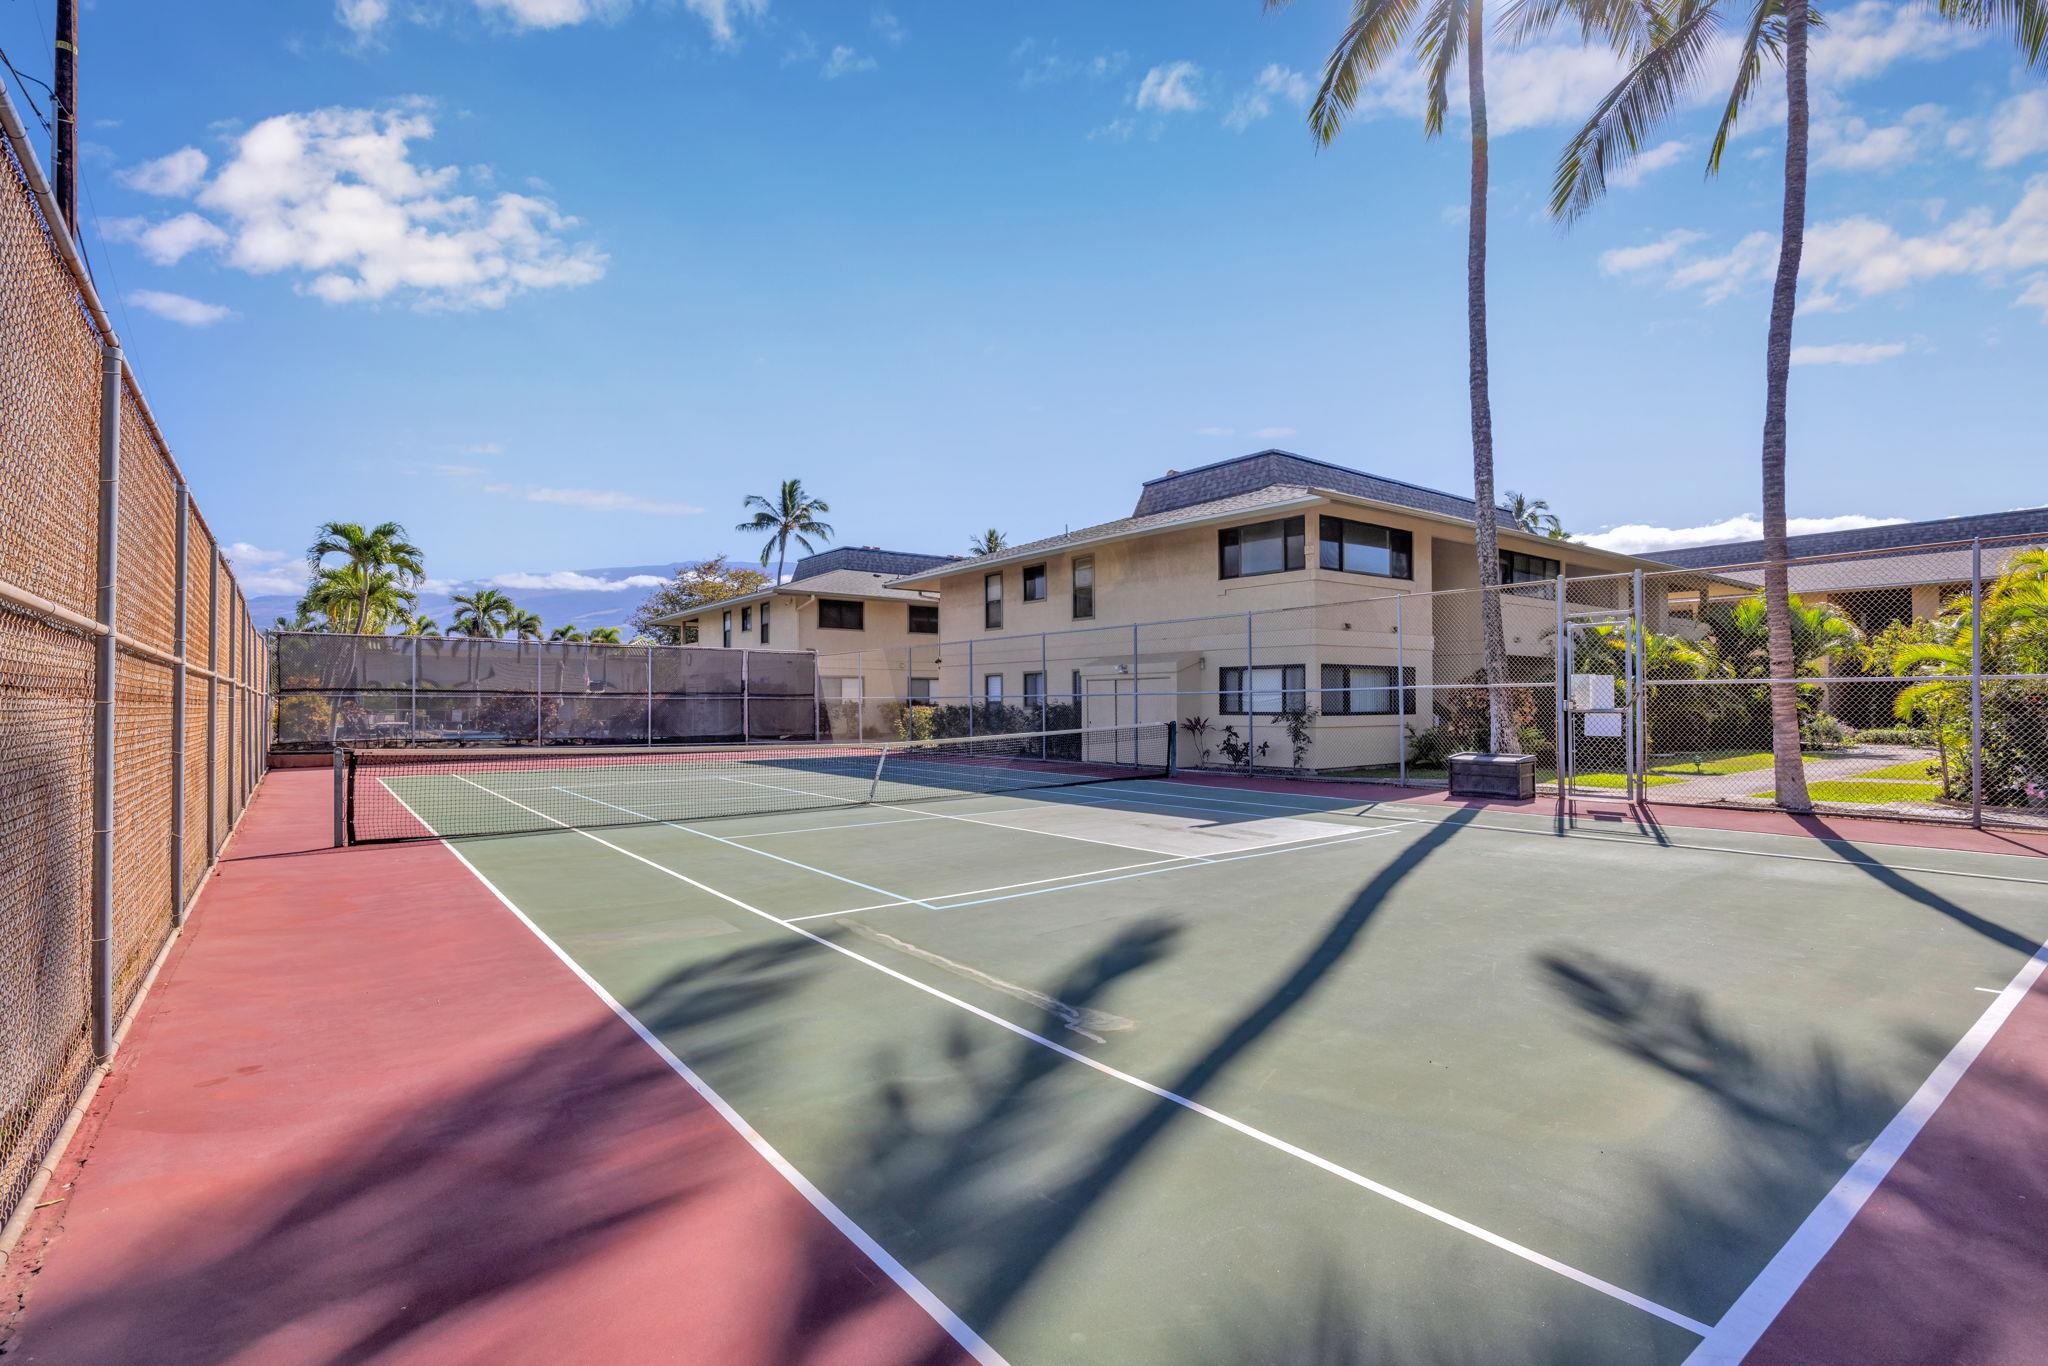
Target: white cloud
334	195
267	571
1638	538
1116	130
362	17
554	13
1274	433
1853	144
1864	40
2018	129
1847	353
1648	164
593	500
2035	295
174	176
1045	64
888	27
569	579
170	241
1626	260
1170	89
1275	82
178	308
844	61
1749	262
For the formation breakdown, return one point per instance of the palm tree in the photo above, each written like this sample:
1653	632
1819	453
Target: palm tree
360	602
481	614
383	548
604	635
420	624
1670	47
1443	31
523	625
792	516
1532	515
571	634
990	542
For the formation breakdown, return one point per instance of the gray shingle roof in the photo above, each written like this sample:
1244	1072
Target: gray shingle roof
868	559
1263	469
834	583
1897	536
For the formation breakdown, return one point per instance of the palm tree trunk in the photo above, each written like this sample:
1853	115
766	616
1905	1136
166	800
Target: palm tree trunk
1788	773
1485	534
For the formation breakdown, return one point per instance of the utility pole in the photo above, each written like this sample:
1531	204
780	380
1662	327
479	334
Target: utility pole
64	137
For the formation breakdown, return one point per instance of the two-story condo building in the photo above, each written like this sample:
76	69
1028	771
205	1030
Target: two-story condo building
1241	589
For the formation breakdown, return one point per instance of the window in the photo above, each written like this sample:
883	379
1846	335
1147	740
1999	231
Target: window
1366	690
1034	583
992	688
842	614
1261	548
725	630
992	601
1084	589
746	620
764	623
691	631
1363	548
1515	567
1076	693
1273	689
924	620
1034	690
921	689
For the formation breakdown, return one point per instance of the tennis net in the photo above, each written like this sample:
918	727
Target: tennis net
398	794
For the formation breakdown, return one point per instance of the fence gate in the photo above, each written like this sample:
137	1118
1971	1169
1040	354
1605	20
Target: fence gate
1599	707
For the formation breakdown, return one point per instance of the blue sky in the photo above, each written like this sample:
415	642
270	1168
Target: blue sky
557	282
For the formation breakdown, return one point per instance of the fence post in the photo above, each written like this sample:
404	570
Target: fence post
1044	691
340	799
1244	696
1638	695
105	665
746	699
650	694
412	701
971	683
213	702
1118	746
1400	700
1977	684
1562	742
180	592
234	700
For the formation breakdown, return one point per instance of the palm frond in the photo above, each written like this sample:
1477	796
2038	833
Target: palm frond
1764	37
1373	35
1625	25
1438	43
2026	20
1625	116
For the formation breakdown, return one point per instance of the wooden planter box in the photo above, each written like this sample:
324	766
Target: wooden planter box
1493	775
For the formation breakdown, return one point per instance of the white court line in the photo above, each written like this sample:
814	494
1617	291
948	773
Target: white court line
1406	1201
929	902
814	829
1768	1294
1056	834
905	1279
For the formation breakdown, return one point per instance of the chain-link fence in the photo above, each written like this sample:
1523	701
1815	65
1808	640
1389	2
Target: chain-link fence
433	690
1919	679
129	681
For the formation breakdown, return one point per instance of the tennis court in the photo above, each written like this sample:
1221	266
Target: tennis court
1162	1069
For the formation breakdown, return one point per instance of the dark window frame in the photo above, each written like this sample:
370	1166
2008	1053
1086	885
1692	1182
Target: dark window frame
1232	686
725	630
915	613
691	632
931	690
838	609
764	623
1036	573
1083	593
1338	688
992	606
1510	573
992	695
1034	697
746	620
1400	547
1293	547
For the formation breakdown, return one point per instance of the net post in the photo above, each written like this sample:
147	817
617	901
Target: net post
105	665
875	783
1400	703
180	593
1977	684
1244	692
340	798
1172	750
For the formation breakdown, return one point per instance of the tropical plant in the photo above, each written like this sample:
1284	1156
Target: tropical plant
1443	31
301	619
572	633
1300	725
523	625
712	580
1742	637
990	542
1197	728
791	516
481	614
1532	515
1669	47
359	602
603	635
379	550
420	624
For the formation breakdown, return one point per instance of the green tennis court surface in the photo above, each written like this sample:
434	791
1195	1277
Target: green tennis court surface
1163	1071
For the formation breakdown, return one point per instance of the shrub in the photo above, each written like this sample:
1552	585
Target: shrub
1197	728
1819	730
1897	735
1300	724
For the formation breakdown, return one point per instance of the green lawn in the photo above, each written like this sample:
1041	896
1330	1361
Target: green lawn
1914	769
1714	764
1856	791
1614	780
